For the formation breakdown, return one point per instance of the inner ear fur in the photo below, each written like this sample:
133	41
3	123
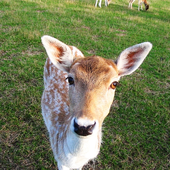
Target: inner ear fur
131	58
60	54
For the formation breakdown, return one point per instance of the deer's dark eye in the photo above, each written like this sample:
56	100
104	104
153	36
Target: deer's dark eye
114	84
70	80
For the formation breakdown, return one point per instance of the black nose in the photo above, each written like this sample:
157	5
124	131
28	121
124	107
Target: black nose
82	130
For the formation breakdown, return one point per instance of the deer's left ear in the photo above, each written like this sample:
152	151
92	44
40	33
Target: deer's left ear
131	58
60	54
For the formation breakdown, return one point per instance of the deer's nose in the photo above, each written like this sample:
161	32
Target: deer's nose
83	130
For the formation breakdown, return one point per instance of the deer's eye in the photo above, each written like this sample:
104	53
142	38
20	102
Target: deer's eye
70	80
114	84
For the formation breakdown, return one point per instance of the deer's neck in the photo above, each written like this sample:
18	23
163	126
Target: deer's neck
76	150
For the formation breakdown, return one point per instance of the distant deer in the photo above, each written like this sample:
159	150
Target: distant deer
140	2
107	2
78	95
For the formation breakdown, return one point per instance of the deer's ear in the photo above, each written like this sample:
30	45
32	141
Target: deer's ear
60	54
131	58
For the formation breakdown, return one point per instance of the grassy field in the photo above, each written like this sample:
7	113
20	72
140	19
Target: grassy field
136	134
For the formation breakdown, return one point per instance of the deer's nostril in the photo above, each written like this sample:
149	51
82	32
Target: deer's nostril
83	130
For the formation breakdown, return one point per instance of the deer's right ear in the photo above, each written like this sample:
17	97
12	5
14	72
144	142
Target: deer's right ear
60	54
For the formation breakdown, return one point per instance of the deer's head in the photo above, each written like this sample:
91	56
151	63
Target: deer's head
146	7
92	81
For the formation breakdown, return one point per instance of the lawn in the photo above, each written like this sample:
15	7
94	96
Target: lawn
136	133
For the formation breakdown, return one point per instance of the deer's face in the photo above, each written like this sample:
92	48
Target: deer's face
92	84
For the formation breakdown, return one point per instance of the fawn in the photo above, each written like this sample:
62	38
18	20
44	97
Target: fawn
78	95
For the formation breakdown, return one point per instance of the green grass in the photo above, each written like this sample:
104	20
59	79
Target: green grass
136	134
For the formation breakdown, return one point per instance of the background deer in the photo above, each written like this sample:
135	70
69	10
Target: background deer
140	2
77	97
107	2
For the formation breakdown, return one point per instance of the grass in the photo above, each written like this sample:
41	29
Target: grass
136	134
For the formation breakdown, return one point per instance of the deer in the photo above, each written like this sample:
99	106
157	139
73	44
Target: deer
107	2
77	97
140	2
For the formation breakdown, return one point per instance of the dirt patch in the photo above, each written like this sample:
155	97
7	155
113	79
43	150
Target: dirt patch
9	138
121	35
93	52
85	27
115	104
31	53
